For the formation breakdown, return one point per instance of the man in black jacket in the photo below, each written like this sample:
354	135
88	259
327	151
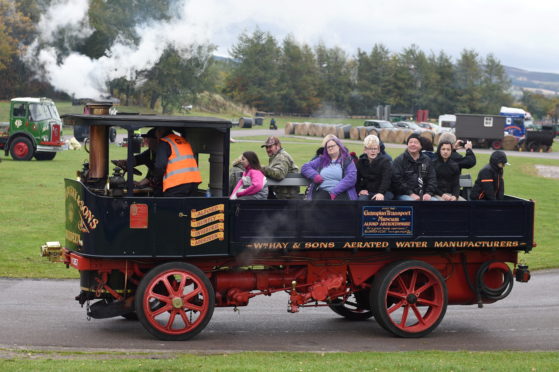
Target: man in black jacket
413	175
490	184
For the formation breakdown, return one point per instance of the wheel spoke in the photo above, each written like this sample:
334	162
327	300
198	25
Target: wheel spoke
423	301
413	280
395	307
396	294
187	297
161	310
181	284
185	318
169	324
418	314
402	284
191	306
159	297
425	287
168	285
404	316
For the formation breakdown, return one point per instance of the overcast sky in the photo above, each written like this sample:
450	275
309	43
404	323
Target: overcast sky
519	33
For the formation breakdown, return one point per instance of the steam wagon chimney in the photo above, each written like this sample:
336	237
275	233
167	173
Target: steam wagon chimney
99	141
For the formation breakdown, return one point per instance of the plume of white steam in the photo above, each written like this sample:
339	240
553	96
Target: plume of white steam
67	15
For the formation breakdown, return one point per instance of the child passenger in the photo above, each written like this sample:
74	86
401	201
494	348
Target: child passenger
252	185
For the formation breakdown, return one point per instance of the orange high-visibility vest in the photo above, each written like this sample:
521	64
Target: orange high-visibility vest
181	166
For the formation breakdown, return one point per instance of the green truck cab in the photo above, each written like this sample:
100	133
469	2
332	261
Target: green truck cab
34	130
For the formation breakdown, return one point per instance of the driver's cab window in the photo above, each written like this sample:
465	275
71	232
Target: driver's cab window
19	110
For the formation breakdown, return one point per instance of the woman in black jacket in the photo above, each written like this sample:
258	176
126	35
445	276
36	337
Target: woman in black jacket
374	172
448	173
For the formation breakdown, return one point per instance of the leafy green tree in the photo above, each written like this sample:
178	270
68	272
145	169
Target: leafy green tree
298	75
178	76
442	91
494	86
334	73
372	79
468	75
539	105
254	81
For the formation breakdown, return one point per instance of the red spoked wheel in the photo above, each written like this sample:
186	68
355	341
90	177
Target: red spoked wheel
175	301
21	149
409	298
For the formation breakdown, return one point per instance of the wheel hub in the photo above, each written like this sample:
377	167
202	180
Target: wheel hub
411	298
177	302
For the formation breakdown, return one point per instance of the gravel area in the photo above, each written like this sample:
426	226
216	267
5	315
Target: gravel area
549	171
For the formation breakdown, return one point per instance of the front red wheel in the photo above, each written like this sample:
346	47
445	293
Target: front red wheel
175	301
409	298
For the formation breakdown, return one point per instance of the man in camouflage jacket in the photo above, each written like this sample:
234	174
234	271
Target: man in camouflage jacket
279	165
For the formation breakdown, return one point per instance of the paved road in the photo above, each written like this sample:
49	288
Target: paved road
41	314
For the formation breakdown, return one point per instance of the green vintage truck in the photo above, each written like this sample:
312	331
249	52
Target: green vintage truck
34	130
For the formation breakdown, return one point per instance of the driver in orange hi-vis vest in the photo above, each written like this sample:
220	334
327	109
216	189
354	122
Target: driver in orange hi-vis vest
176	164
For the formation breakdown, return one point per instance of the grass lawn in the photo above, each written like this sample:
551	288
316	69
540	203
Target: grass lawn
419	361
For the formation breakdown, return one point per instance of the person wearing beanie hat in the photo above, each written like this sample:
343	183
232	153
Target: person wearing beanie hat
464	161
490	184
413	176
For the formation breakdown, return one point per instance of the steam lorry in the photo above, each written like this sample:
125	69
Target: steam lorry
169	261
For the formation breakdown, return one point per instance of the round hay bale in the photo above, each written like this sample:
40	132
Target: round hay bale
391	137
245	123
342	131
427	134
327	129
312	129
510	142
259	120
362	132
383	134
354	133
299	129
399	136
333	129
437	139
372	131
289	128
295	128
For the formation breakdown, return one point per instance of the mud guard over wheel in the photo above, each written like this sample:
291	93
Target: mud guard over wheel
175	301
409	298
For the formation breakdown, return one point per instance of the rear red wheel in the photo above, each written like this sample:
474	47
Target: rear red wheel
409	298
175	301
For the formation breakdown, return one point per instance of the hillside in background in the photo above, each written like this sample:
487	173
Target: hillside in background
546	83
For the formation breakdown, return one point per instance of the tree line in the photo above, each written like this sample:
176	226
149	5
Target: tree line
264	73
